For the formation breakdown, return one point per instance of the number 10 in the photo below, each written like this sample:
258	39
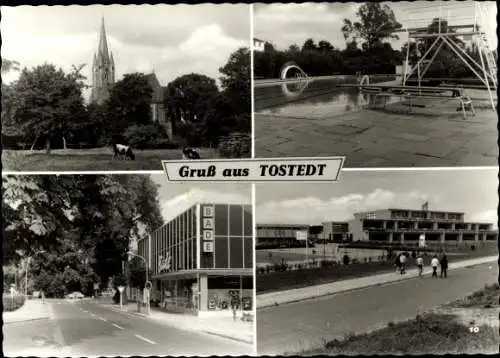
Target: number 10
474	329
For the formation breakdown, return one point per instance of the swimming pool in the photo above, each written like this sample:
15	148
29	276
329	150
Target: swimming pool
312	98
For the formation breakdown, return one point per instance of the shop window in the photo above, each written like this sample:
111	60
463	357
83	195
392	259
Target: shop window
221	252
236	252
248	253
221	220
248	220
235	220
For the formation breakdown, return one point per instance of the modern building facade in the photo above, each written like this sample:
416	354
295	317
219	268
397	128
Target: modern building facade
103	70
405	225
281	235
202	260
385	226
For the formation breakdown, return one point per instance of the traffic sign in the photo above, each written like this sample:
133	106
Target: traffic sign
148	285
121	288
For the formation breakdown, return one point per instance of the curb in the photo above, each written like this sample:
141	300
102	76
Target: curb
228	337
27	320
137	314
362	287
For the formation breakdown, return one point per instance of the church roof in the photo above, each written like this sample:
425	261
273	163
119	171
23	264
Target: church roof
155	86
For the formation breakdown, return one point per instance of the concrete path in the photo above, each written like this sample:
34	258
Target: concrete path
220	326
32	310
300	294
329	123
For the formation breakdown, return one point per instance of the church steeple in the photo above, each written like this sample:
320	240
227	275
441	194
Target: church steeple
103	43
103	69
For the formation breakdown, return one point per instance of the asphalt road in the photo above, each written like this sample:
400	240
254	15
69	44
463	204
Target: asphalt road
83	328
295	326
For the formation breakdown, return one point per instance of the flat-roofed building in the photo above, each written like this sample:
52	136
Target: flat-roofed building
202	259
407	225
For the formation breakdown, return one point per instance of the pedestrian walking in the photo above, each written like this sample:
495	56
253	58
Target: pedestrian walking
444	266
434	264
234	306
402	260
398	263
420	265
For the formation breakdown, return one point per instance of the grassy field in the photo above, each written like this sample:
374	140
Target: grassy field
431	333
97	159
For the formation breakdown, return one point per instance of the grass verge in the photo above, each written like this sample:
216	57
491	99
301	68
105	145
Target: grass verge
428	334
485	298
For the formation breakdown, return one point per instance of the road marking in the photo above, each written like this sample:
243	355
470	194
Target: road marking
93	315
117	326
103	319
144	339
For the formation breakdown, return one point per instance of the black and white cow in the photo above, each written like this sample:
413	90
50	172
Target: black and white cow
190	153
123	151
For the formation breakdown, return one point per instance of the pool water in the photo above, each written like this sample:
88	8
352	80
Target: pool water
312	99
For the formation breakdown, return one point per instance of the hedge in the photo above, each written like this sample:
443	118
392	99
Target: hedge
12	303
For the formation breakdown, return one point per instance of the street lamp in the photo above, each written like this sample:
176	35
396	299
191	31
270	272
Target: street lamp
147	278
27	266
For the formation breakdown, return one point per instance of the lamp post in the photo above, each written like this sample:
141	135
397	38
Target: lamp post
27	266
147	278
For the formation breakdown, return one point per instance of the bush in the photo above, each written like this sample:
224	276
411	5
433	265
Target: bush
150	136
235	145
12	303
346	260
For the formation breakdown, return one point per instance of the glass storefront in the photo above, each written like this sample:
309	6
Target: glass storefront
202	260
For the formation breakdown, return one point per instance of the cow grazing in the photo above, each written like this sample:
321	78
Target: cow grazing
190	153
123	151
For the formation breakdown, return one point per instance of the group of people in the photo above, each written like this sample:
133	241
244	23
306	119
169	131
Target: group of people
436	262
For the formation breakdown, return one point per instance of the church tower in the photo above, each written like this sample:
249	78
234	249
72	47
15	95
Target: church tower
103	70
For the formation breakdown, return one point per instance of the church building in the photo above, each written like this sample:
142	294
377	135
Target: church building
103	78
103	70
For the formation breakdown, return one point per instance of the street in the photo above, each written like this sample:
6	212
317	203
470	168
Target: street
292	327
83	328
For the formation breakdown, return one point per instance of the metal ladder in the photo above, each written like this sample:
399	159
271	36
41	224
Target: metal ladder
490	58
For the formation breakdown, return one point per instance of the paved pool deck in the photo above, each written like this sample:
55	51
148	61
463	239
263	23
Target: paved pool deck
435	136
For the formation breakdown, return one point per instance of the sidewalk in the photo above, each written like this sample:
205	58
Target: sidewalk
300	294
30	311
220	326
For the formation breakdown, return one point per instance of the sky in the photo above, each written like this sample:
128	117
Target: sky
172	40
174	198
286	24
468	191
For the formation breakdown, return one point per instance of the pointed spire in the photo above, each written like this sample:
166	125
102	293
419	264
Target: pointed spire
103	43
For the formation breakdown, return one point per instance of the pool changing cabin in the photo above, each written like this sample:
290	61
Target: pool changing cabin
202	260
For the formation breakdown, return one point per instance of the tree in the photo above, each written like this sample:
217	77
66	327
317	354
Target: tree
92	217
309	45
376	23
9	65
129	103
137	273
236	80
325	46
188	99
47	99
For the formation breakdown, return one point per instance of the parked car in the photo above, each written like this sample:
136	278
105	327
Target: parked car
75	295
